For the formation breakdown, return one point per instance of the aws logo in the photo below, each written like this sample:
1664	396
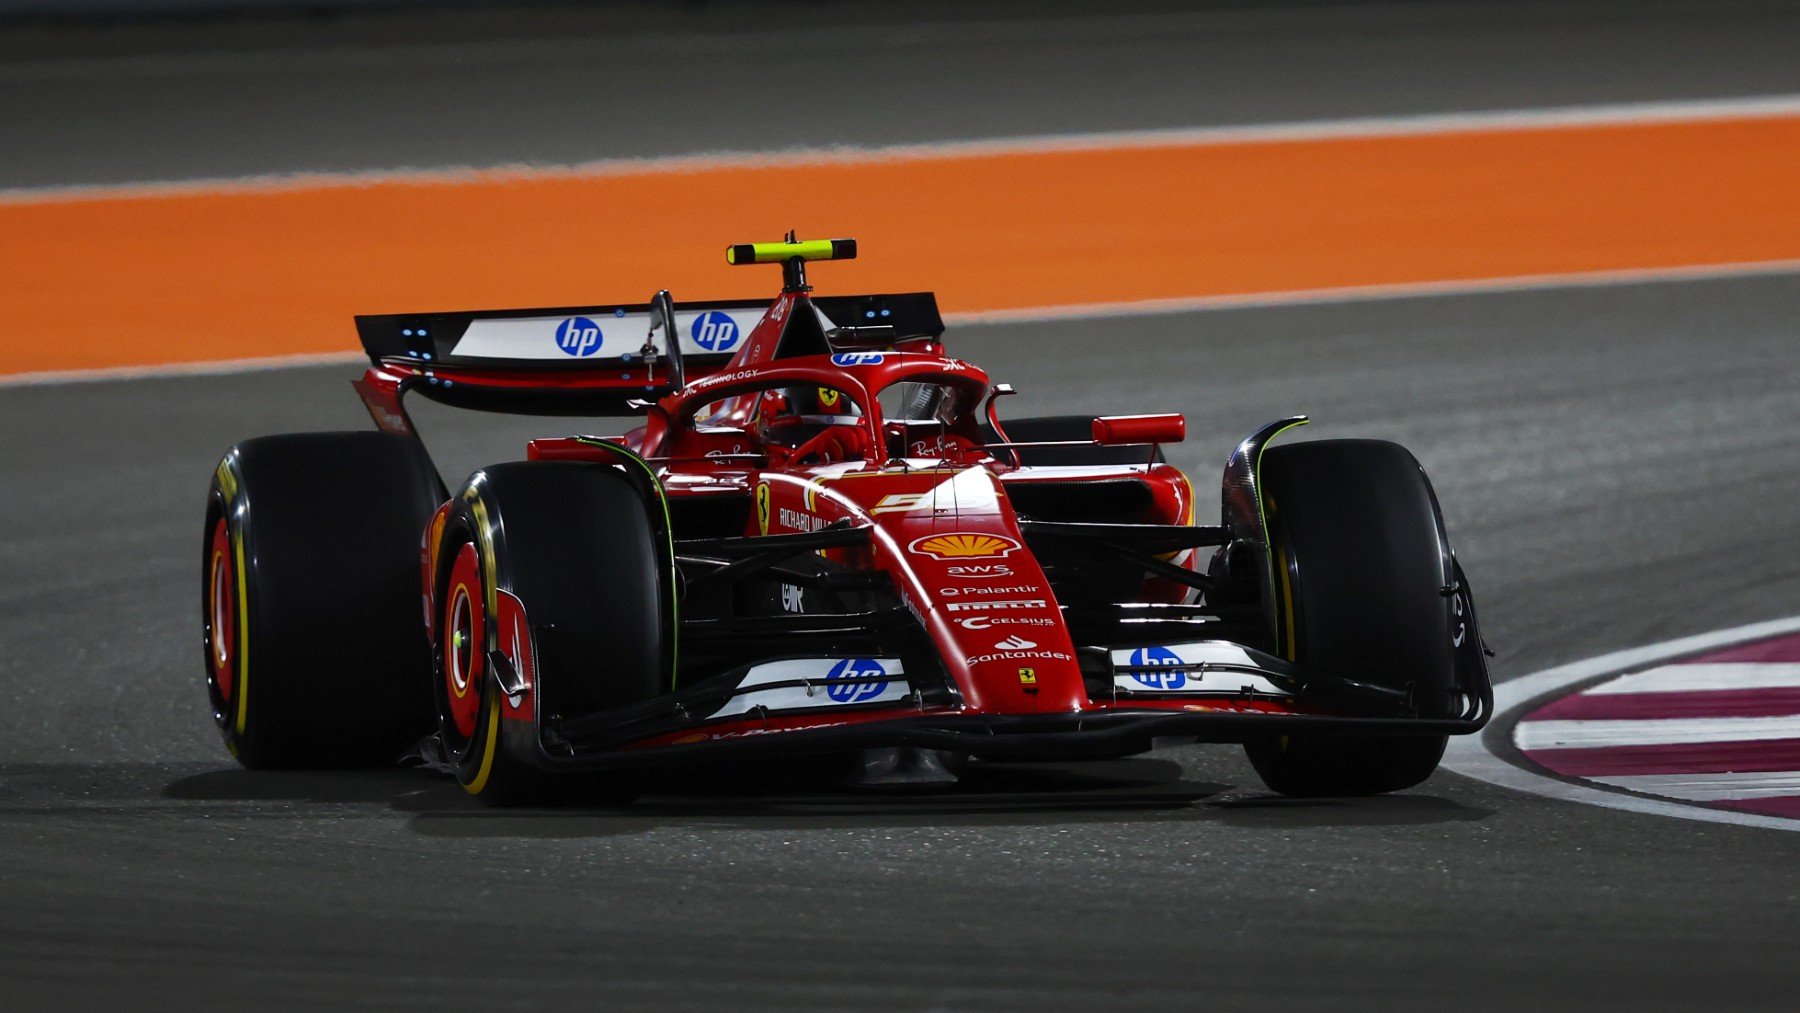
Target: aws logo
579	336
964	545
980	570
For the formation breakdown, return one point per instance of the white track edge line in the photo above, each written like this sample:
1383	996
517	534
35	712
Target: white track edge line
217	367
1053	314
1372	293
1469	756
1548	118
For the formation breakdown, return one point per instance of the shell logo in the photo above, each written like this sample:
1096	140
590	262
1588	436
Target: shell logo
963	545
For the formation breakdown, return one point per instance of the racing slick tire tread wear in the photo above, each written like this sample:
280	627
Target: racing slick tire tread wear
326	664
574	543
1361	561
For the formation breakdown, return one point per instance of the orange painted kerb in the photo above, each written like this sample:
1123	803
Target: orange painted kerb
112	280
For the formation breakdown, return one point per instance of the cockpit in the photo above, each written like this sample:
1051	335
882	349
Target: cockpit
784	423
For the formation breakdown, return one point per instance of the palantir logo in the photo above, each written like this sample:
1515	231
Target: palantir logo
578	336
715	332
839	688
1156	657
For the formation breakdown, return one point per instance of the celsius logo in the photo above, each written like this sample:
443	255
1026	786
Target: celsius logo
843	691
715	332
1153	658
984	622
578	336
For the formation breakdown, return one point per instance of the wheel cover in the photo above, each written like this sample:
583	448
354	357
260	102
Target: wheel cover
465	639
221	618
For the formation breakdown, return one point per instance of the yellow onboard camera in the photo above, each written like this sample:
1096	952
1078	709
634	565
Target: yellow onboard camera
792	254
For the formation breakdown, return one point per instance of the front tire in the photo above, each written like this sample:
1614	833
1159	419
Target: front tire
1361	561
575	545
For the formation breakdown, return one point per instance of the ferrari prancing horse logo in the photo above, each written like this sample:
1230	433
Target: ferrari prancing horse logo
762	507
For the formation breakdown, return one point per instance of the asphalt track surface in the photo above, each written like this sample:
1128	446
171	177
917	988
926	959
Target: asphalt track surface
1618	466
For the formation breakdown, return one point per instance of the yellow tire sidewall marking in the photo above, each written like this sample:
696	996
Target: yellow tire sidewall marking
482	773
243	640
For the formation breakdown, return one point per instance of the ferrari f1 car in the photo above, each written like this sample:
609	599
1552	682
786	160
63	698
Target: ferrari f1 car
822	539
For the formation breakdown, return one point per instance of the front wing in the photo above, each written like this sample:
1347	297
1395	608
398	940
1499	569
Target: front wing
1208	691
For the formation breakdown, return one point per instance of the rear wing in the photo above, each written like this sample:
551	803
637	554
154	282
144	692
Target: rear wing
604	359
581	338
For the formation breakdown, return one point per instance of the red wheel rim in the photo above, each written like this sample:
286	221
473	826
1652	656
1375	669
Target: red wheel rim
465	633
221	612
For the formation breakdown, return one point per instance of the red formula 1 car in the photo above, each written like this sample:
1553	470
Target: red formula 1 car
822	540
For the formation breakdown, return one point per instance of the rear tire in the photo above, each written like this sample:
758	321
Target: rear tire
315	652
1360	563
575	544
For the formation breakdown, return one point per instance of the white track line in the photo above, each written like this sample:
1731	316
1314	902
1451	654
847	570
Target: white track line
1556	118
1686	678
1603	734
221	367
1052	314
1372	293
1711	787
1469	754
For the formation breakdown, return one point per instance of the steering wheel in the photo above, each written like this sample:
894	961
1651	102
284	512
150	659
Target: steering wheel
835	444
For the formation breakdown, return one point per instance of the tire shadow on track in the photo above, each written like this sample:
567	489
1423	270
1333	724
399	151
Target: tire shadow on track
1137	790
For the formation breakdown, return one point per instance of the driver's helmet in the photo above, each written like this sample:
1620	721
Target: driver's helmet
790	416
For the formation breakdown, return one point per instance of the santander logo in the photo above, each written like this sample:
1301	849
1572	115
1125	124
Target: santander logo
1014	643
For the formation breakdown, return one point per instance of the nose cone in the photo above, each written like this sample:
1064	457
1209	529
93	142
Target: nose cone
969	578
1014	659
949	539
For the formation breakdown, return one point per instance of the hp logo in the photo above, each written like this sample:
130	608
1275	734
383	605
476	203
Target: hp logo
578	336
715	332
1151	657
858	359
855	668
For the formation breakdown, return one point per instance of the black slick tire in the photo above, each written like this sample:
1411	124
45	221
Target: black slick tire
1360	562
316	655
576	545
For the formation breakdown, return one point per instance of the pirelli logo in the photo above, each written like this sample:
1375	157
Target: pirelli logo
995	606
